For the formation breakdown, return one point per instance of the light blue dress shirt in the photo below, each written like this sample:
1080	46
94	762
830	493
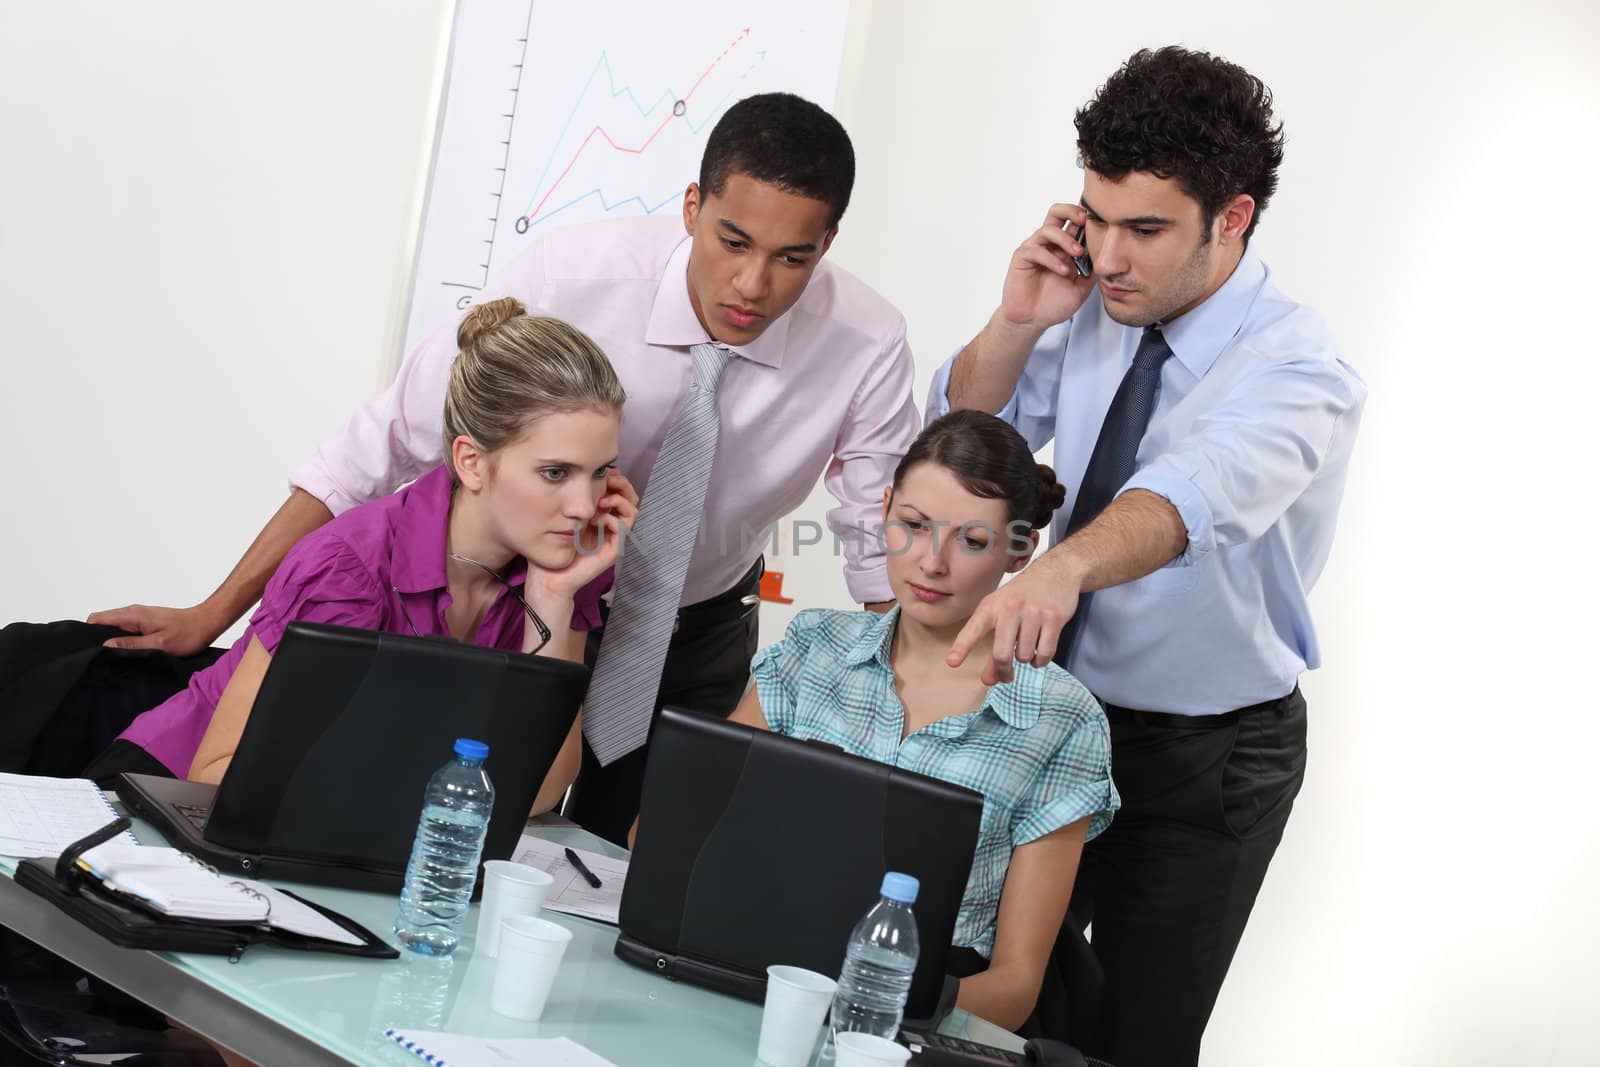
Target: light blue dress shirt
1038	749
1250	441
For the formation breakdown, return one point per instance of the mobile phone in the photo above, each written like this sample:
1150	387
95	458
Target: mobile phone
1084	264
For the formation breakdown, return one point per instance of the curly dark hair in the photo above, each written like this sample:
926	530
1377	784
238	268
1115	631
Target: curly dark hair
1190	116
783	140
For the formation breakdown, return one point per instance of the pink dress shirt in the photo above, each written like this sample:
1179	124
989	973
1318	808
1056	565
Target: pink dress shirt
825	390
377	567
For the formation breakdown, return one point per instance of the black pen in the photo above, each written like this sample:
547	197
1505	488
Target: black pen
572	858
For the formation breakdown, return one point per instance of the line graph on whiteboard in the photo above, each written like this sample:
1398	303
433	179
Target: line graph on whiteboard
560	113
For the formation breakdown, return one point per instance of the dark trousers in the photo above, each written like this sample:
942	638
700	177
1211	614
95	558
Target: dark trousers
1169	886
707	670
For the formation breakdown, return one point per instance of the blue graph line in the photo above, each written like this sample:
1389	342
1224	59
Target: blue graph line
609	207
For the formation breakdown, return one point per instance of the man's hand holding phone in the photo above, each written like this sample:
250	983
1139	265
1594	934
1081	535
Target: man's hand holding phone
1050	275
1045	285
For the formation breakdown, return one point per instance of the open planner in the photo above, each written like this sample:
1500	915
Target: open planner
152	897
176	884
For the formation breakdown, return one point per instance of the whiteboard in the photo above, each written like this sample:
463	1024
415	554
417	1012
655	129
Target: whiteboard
560	112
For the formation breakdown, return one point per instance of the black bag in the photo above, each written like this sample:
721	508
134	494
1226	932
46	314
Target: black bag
64	697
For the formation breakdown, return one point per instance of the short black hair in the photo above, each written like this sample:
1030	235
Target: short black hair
991	460
1190	116
783	140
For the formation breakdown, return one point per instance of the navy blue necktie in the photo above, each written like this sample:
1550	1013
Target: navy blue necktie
1112	462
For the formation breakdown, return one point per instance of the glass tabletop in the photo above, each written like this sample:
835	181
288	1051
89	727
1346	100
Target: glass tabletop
621	1012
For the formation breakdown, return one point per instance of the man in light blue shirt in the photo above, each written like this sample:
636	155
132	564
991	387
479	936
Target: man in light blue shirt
1203	424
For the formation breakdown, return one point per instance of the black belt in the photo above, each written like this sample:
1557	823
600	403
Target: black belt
1116	713
735	604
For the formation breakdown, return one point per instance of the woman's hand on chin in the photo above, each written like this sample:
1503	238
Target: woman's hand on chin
598	544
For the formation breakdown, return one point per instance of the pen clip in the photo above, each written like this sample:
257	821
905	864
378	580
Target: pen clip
66	862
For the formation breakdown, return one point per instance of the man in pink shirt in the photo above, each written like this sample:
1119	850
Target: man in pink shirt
816	380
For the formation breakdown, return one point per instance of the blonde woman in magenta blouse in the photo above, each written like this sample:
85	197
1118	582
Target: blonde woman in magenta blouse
531	422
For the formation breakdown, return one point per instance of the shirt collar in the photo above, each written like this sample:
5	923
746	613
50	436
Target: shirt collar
875	641
1017	702
673	323
1198	336
420	525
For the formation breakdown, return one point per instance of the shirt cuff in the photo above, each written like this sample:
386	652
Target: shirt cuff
1198	519
312	477
770	689
938	402
869	585
1094	800
939	399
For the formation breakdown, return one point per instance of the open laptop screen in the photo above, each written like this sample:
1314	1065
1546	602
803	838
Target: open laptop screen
756	849
349	725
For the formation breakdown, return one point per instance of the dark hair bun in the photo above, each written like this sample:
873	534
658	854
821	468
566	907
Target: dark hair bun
485	317
1052	494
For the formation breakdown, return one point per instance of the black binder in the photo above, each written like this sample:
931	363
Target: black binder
126	921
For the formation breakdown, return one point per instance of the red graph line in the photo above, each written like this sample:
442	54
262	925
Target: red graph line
622	148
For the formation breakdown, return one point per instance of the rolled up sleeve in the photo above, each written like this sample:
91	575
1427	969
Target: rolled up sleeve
878	428
1248	460
1074	784
322	579
1032	407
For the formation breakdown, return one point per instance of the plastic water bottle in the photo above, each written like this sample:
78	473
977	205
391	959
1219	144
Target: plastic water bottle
444	859
878	963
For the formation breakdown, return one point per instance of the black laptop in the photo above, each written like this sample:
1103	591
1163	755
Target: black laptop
755	849
328	780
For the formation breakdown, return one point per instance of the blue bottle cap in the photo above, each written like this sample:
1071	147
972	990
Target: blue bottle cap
467	748
900	887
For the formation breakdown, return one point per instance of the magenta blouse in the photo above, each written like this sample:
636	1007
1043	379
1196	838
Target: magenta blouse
372	567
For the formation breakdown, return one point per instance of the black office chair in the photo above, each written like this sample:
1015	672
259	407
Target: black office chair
52	1014
1072	993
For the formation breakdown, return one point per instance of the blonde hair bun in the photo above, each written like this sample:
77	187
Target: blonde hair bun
515	368
486	317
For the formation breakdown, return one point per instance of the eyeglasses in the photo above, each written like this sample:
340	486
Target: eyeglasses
533	616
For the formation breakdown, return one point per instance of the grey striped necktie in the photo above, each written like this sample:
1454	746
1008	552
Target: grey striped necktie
644	600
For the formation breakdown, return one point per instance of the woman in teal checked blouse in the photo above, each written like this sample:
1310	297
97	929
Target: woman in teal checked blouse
965	509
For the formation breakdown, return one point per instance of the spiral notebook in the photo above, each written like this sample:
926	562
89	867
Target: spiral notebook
41	816
464	1050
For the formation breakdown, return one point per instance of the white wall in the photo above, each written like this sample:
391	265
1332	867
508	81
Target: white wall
203	215
203	221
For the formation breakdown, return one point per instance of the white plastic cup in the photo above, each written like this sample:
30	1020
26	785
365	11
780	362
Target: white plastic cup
508	889
530	954
851	1049
797	999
